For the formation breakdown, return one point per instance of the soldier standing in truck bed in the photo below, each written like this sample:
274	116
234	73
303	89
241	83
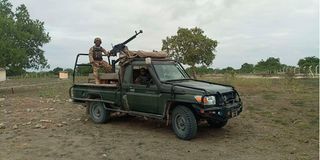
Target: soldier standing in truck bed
96	60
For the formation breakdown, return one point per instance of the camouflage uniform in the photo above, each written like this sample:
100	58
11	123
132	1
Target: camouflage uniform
95	58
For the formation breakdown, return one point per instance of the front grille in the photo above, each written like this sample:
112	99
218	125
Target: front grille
229	97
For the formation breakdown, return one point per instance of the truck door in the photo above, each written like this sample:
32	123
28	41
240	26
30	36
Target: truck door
142	93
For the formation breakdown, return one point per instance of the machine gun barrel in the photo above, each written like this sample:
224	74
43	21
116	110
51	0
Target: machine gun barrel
133	37
119	47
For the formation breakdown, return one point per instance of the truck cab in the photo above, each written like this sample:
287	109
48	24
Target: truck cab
154	86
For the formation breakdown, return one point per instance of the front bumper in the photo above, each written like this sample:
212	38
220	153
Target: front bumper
222	112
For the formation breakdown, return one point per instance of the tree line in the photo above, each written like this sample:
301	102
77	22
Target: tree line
271	65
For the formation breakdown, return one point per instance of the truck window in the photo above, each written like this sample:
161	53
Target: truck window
141	75
170	71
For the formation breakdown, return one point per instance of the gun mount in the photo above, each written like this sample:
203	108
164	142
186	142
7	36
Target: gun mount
119	47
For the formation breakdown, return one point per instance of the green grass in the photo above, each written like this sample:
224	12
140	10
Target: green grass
299	103
288	108
280	113
269	96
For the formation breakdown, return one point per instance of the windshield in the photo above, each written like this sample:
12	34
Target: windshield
170	71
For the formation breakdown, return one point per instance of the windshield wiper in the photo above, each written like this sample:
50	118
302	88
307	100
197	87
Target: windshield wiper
172	80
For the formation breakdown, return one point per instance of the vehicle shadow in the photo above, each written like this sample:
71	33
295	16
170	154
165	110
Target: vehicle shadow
147	124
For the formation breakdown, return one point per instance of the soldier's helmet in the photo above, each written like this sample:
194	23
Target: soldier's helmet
97	39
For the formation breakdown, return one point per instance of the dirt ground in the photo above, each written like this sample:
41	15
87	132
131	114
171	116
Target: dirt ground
280	121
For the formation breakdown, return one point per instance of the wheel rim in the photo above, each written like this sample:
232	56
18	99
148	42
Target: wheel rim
180	123
96	111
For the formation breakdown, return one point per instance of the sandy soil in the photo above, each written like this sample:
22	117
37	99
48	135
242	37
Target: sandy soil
41	123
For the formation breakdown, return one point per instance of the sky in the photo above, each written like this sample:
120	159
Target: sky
246	30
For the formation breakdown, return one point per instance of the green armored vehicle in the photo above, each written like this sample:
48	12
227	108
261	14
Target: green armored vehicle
166	93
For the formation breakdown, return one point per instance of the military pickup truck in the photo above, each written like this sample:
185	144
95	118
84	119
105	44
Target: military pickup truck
167	93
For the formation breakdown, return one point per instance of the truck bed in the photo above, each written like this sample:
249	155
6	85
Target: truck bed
97	85
83	92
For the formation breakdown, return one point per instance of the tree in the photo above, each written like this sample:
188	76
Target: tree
57	70
69	70
247	68
201	70
271	65
191	47
21	40
84	70
308	61
228	70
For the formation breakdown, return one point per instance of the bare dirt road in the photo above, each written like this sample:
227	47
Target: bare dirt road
277	123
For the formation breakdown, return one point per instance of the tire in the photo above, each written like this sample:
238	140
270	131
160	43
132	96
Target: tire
217	123
184	123
98	113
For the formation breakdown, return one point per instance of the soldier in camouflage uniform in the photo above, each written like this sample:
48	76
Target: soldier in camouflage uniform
96	60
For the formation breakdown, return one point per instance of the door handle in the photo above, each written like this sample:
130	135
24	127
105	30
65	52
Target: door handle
131	89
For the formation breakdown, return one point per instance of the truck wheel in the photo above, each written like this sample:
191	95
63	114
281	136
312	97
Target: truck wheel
184	123
217	123
98	113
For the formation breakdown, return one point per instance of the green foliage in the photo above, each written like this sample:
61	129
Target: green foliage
21	40
201	70
308	61
191	47
33	74
224	70
69	70
84	70
15	70
289	75
270	66
38	74
229	73
228	70
247	68
57	70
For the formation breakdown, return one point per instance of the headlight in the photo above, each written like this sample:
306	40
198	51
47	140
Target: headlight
207	100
